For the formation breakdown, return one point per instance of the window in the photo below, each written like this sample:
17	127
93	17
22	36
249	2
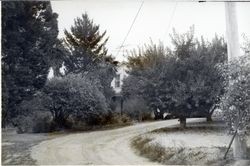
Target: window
117	81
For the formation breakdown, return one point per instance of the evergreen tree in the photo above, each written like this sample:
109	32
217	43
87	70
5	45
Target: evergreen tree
29	38
86	44
88	53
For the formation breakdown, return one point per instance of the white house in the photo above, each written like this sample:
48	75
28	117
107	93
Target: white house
118	80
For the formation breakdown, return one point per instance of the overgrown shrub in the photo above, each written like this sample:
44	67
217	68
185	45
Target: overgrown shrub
63	101
37	122
137	109
116	118
77	96
32	116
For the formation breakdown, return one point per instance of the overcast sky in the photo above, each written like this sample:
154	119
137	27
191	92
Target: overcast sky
154	20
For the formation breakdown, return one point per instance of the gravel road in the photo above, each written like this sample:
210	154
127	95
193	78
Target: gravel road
97	147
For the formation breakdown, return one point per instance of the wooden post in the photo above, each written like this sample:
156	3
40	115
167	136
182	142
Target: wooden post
233	49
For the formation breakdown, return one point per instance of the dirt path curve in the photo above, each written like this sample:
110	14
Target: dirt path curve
98	147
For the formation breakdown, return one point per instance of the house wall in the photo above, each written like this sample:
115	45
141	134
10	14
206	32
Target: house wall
121	70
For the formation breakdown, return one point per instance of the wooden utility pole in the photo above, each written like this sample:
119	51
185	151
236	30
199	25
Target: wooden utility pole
232	34
233	50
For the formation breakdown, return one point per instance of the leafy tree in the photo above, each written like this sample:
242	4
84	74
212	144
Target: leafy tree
145	68
184	81
4	103
198	84
235	103
246	45
29	32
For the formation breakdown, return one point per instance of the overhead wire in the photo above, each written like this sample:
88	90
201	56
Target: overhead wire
171	19
130	28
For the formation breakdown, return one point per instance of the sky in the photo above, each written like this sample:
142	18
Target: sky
155	21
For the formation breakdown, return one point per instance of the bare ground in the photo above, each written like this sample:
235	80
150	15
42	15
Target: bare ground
98	147
16	148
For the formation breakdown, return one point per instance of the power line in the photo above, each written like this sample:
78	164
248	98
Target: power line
130	28
223	1
170	21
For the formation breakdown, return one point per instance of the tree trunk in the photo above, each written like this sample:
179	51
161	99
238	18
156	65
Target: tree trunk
140	116
240	147
60	121
182	122
209	118
121	106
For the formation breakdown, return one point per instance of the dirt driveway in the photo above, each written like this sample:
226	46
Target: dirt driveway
98	147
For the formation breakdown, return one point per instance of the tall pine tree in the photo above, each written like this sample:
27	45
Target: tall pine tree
86	44
89	54
29	41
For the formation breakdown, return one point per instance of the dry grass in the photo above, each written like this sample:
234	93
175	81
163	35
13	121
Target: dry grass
155	153
145	146
178	155
195	127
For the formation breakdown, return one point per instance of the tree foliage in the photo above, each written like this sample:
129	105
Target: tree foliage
86	44
68	99
29	32
75	95
88	53
235	103
183	81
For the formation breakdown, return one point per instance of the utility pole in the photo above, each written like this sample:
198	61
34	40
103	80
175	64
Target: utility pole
232	34
233	50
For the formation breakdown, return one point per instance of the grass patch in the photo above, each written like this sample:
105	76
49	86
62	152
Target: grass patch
191	129
147	147
214	126
179	155
154	153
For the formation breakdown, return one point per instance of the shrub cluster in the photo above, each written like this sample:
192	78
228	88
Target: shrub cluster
137	109
67	102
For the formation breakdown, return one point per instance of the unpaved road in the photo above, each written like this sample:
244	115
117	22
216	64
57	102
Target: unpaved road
98	147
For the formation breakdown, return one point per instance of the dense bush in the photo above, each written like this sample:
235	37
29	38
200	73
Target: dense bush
77	96
33	117
116	118
137	109
35	122
65	100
